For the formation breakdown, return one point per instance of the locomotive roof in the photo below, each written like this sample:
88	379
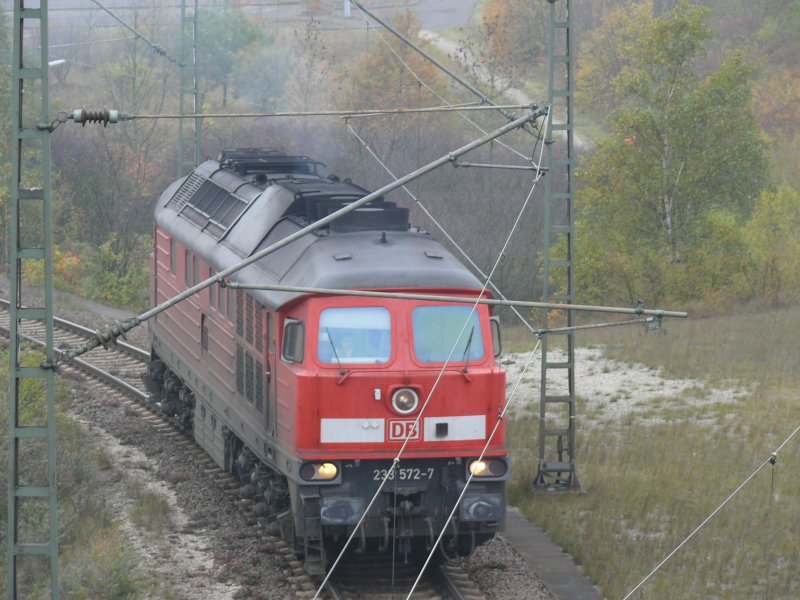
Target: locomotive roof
229	208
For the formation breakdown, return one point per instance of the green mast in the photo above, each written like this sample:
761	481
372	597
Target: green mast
557	400
31	392
188	132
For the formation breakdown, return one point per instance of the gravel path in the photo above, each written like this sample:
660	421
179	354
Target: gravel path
608	390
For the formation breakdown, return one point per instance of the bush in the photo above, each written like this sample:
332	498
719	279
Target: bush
94	560
103	569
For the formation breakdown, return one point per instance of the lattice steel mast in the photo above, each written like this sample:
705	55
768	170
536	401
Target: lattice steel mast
188	132
557	400
31	422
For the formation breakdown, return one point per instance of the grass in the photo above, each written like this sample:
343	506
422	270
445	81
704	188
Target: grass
151	511
94	558
651	479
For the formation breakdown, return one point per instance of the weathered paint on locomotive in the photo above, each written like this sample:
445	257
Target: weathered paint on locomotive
226	348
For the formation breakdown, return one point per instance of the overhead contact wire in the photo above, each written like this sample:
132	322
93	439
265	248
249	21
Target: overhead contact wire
457	504
158	49
477	92
770	460
376	112
113	332
439	226
442	98
430	395
427	401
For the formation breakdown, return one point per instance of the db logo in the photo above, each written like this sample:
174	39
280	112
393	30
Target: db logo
402	429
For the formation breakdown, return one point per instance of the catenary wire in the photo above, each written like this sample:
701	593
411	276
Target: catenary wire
770	460
460	300
438	225
91	42
427	401
367	112
469	106
440	97
158	49
490	437
457	503
483	97
112	332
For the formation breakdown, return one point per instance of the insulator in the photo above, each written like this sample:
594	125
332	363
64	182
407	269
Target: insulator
104	116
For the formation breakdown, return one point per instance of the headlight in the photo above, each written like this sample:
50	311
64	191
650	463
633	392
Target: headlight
318	471
405	401
488	467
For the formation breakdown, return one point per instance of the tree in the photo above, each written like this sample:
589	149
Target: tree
606	54
516	31
272	66
775	247
389	75
487	54
102	204
308	74
682	152
224	36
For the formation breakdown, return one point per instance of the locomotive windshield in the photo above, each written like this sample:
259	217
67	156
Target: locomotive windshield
355	335
436	334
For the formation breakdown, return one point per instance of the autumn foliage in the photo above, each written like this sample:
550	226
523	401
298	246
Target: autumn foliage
676	204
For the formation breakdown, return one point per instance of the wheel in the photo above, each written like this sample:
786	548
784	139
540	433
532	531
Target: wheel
230	454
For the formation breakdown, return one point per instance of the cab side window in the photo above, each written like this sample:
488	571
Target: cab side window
293	340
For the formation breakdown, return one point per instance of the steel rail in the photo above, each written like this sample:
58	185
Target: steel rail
130	350
450	585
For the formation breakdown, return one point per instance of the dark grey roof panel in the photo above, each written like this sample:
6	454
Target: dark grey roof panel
362	261
260	218
283	259
365	260
362	253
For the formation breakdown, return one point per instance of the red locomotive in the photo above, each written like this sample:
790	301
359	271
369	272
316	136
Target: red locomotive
309	398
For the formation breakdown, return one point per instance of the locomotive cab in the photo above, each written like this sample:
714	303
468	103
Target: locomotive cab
385	379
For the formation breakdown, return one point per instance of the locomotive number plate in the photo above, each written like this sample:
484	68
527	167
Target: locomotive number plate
410	474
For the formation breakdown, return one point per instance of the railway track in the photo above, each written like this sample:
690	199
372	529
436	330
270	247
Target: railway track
364	577
121	365
118	371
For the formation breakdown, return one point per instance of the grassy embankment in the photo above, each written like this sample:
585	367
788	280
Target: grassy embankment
651	477
95	560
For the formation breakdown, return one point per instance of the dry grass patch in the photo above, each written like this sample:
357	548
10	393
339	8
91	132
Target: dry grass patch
652	477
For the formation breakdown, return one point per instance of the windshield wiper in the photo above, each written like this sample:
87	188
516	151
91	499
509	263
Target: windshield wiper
465	356
335	354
